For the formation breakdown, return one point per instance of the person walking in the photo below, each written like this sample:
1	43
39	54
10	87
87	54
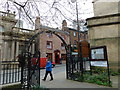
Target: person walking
48	70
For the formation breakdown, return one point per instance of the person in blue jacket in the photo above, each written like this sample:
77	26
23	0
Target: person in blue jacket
48	70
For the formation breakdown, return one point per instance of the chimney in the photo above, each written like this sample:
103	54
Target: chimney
64	25
37	23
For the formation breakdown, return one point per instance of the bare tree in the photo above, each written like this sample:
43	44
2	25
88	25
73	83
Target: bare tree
51	12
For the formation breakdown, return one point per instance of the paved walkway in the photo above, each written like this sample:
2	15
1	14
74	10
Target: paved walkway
61	82
115	81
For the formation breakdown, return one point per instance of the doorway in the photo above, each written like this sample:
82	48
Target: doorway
57	56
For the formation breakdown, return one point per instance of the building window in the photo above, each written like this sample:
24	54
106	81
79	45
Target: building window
49	44
74	34
49	35
62	46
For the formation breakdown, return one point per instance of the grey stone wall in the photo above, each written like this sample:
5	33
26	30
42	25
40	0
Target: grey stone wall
105	31
106	7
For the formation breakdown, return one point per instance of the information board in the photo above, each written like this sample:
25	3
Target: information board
99	54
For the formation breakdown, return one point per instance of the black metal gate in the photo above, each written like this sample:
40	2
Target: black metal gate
76	63
30	73
72	65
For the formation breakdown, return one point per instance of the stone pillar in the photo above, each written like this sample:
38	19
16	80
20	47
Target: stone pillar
5	50
17	49
103	31
2	51
8	51
0	54
105	7
13	50
33	48
30	49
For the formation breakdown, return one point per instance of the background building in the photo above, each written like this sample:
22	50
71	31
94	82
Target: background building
50	44
83	40
12	39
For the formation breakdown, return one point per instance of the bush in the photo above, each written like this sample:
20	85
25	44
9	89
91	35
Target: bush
100	79
113	73
99	76
100	70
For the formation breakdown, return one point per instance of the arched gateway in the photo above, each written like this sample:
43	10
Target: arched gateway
30	75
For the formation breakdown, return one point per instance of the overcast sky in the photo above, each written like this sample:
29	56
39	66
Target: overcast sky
52	12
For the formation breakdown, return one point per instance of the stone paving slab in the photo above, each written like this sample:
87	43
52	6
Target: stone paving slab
61	82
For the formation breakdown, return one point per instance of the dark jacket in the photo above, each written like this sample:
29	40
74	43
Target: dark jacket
48	66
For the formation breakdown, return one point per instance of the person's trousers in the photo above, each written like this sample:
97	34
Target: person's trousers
47	74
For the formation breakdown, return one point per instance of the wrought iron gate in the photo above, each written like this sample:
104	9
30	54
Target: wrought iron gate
72	65
76	64
30	73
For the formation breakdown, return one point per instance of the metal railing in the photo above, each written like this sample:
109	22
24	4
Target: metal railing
10	72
